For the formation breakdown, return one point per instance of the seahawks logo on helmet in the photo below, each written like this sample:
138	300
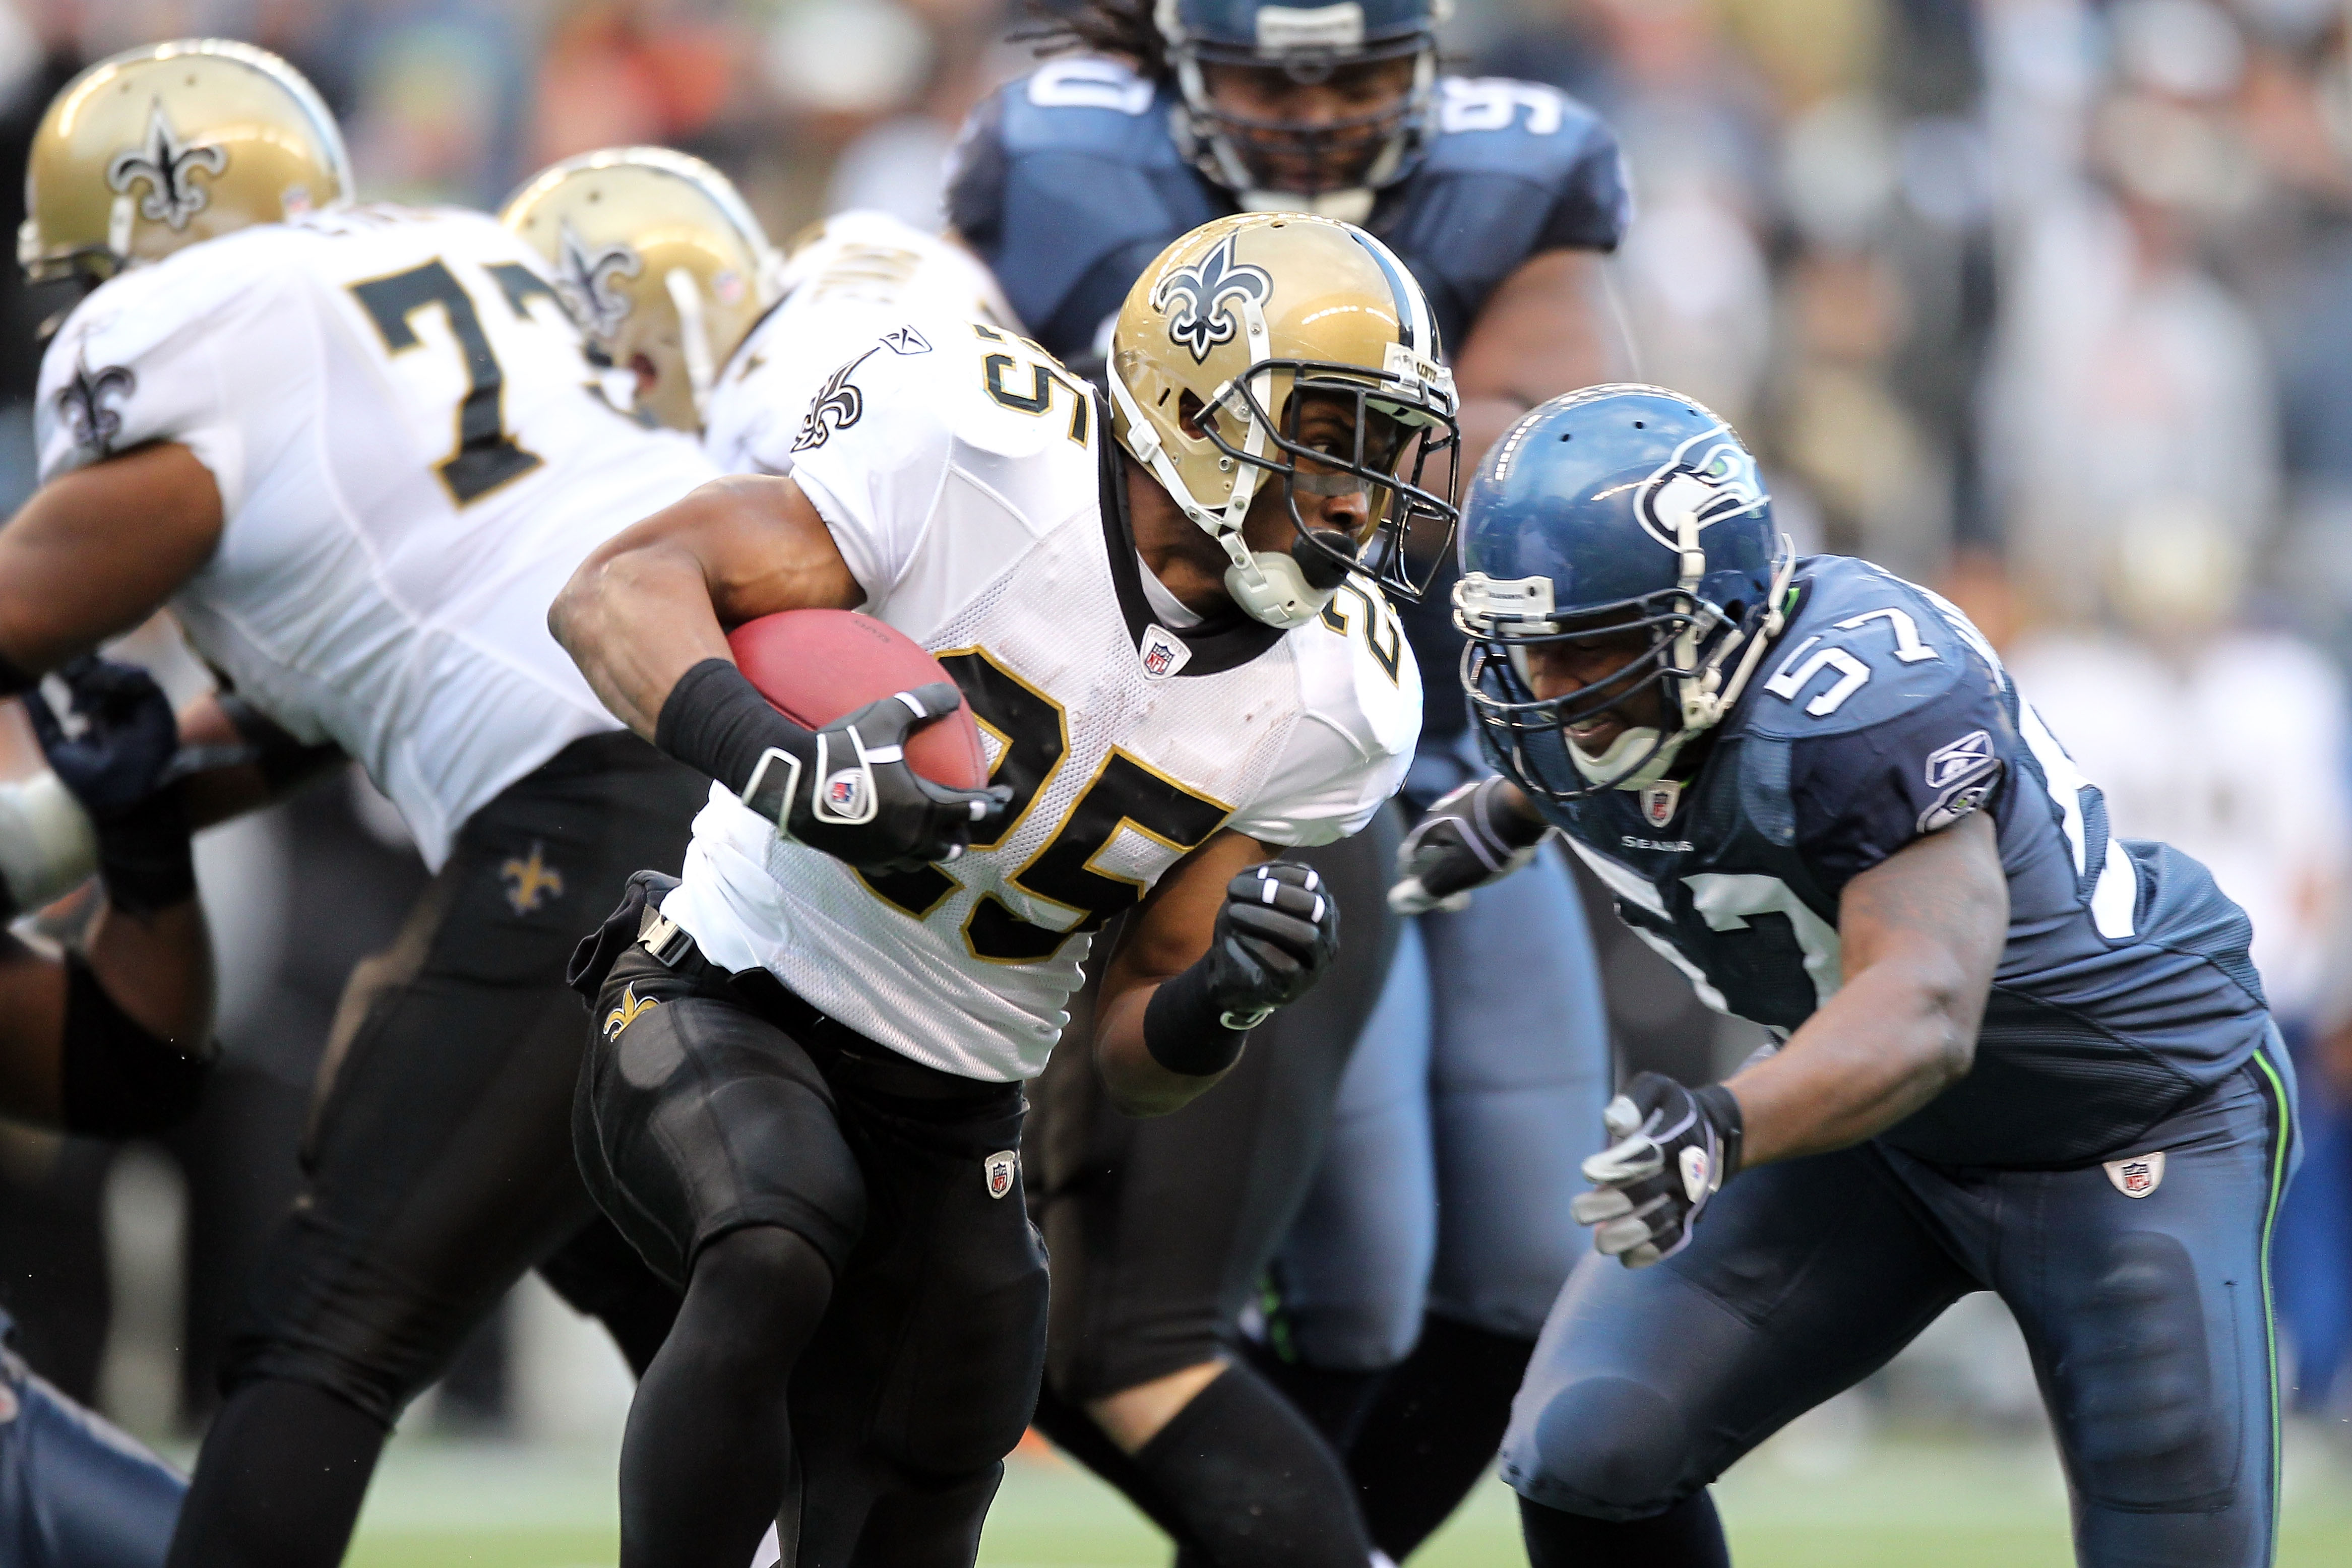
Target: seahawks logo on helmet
87	404
1203	315
166	164
1709	478
584	278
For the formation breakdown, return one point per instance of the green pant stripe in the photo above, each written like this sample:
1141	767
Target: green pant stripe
2283	1145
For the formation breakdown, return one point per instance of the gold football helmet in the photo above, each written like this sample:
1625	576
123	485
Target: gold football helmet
162	147
1218	343
658	256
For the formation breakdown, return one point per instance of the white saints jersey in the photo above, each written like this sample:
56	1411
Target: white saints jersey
412	458
973	492
858	275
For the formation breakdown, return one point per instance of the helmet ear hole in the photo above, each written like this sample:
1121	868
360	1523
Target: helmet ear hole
1189	410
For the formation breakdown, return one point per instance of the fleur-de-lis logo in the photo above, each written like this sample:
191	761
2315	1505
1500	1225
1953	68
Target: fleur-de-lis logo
633	1008
531	882
166	163
585	279
838	406
90	404
1203	316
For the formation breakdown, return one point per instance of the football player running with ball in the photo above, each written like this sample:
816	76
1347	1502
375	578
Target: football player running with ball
804	1101
2016	1053
1432	1229
356	450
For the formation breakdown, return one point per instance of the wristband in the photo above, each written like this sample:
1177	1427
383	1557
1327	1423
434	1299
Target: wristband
14	679
144	858
1723	1109
1185	1028
715	719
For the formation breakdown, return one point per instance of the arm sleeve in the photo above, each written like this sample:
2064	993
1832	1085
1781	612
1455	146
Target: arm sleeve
1860	796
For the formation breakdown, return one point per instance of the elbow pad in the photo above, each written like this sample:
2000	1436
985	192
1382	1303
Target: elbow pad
116	1080
48	845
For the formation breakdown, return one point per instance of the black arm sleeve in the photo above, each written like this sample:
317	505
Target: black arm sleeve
116	1080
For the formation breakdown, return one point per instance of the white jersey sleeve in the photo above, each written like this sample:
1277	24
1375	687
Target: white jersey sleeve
862	274
1361	717
931	498
146	360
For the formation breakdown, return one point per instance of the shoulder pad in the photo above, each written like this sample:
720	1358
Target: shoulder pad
1086	104
1522	128
1066	182
1358	672
1865	646
134	311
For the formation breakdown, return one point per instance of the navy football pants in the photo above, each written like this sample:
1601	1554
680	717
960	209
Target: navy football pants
2148	1319
74	1491
1473	1097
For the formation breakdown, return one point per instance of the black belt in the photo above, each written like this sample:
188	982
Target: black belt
831	1042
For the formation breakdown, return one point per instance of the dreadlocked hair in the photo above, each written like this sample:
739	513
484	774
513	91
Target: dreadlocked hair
1122	28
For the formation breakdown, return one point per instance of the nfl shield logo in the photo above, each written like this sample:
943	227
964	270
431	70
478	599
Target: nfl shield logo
1000	1168
2138	1176
845	793
1164	652
1659	802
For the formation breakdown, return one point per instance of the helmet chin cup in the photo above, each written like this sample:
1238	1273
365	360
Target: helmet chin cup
1637	758
1270	587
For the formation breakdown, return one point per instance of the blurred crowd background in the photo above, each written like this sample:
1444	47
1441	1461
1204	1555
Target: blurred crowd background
2045	303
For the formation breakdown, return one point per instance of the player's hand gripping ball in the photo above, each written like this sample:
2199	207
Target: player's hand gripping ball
1470	836
890	774
1278	931
1674	1149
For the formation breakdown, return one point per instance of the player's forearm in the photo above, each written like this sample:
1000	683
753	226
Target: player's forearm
634	620
158	967
1138	1084
1896	1037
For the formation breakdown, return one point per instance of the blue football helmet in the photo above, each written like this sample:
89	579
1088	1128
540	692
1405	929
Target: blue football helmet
1615	508
1354	155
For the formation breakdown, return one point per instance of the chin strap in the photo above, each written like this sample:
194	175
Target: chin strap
693	338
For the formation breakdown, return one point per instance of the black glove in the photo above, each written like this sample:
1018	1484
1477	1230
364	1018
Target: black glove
1278	932
1674	1149
114	749
1470	836
846	789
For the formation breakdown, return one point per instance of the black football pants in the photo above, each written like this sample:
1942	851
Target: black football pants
710	1105
438	1165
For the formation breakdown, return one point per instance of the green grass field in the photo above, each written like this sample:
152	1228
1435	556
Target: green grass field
1902	1503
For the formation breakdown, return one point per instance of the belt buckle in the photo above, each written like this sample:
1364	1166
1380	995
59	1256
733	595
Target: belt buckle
666	940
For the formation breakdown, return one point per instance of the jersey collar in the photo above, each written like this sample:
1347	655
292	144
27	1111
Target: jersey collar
1218	644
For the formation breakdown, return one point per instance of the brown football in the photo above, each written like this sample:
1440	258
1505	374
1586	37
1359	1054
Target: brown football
815	665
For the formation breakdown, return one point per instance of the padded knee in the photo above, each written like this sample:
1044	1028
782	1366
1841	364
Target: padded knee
2137	1391
1606	1447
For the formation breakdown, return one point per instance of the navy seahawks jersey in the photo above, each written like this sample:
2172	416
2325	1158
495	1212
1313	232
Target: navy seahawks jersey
1068	181
1881	714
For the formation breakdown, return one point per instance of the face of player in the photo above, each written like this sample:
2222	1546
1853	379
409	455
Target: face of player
1600	671
1309	136
1326	497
